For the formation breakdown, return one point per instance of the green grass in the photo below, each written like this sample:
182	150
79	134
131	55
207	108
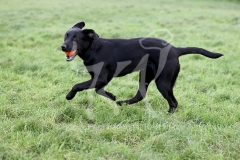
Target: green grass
36	122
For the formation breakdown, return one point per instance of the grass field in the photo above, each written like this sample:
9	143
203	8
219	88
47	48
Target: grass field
36	122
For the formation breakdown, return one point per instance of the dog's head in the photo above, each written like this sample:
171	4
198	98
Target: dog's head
77	41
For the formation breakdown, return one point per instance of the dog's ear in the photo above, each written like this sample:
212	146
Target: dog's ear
79	25
90	34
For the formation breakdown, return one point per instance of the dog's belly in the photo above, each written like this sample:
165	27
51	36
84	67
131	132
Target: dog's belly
125	71
127	67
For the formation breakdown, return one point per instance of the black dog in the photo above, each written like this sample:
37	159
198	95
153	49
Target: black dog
107	58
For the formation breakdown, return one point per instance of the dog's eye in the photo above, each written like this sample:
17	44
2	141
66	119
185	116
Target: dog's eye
66	35
75	37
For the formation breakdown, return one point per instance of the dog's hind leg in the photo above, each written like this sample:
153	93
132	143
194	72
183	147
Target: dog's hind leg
167	92
165	83
104	93
146	76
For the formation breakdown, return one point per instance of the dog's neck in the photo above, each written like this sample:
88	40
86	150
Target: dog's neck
87	45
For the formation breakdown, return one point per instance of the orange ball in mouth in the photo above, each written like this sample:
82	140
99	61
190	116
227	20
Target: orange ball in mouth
71	53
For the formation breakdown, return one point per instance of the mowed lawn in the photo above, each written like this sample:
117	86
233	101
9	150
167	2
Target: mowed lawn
37	122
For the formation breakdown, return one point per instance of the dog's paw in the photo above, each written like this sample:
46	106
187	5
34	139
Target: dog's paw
70	96
119	103
112	97
171	110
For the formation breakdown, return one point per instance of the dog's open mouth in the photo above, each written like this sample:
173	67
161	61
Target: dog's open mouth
71	55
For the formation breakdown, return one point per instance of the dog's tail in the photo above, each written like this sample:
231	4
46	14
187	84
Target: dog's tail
195	50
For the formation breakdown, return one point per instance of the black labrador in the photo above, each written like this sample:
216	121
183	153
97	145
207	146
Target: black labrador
104	59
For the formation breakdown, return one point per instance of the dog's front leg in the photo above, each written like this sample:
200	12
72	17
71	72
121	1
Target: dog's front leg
79	87
105	94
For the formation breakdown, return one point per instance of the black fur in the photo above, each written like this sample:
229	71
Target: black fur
108	58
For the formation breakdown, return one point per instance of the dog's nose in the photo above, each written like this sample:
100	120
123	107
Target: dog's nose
64	47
